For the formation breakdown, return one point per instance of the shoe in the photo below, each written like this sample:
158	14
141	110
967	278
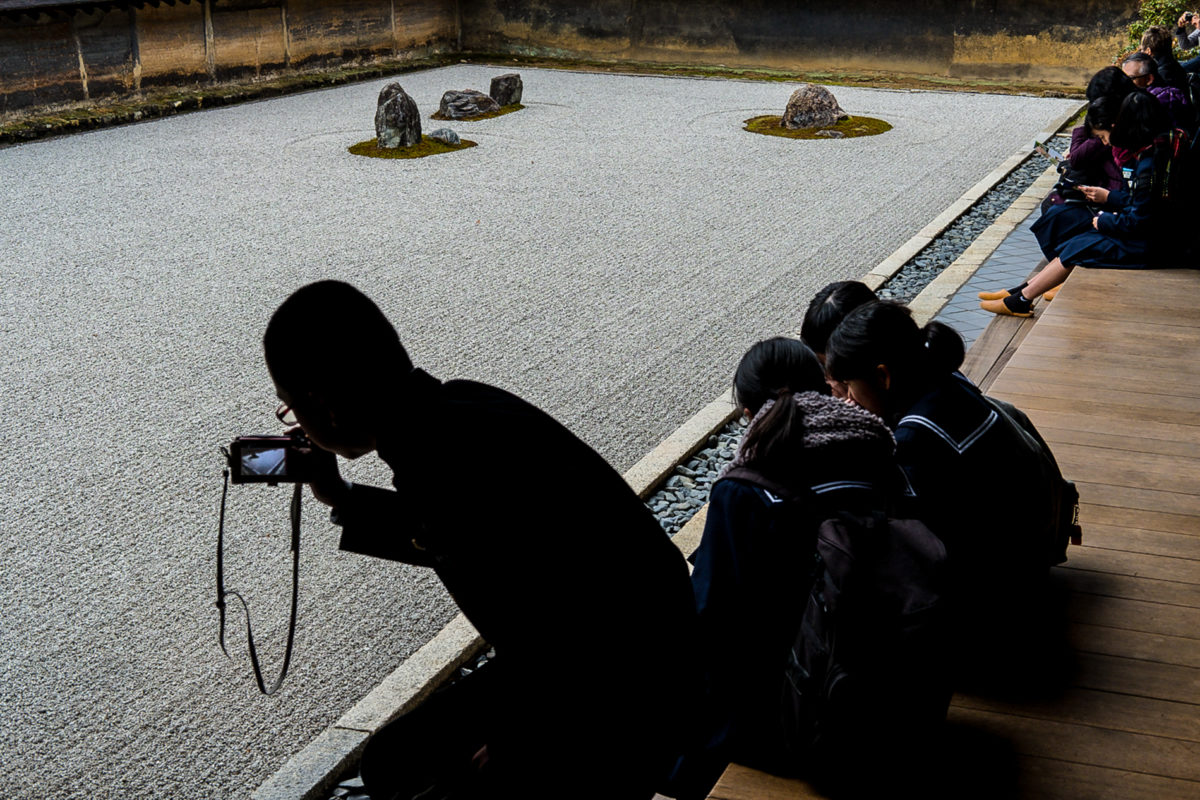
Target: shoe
1001	295
1048	295
1000	307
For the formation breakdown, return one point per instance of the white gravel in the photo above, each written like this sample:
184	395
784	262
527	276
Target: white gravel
607	253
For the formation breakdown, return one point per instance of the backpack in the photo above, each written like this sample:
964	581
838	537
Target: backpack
1060	525
866	674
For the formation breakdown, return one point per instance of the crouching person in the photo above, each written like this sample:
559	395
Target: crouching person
797	552
589	619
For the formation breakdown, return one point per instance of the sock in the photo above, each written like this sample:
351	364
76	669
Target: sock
1017	302
1019	288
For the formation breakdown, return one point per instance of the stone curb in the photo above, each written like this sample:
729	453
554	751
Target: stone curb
311	773
934	297
892	264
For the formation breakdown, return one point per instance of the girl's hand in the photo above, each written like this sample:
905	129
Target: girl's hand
1095	194
1096	223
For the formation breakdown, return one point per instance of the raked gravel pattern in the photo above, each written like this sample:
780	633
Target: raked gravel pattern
607	253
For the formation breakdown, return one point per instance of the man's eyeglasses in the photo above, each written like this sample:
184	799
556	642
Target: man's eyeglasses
285	415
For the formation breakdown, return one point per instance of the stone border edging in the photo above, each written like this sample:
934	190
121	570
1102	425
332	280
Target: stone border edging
938	292
311	773
893	263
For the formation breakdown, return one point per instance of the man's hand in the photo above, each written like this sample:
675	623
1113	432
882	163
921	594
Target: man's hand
327	486
1095	194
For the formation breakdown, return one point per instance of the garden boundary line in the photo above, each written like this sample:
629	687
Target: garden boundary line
312	772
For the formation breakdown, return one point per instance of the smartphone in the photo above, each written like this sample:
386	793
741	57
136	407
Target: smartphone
271	459
1049	152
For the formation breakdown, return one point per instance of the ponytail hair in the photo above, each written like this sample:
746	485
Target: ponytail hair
885	333
775	369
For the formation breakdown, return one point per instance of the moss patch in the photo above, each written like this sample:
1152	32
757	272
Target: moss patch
426	147
851	128
491	114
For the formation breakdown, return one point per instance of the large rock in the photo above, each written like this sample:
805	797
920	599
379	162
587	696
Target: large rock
507	89
466	104
397	121
812	106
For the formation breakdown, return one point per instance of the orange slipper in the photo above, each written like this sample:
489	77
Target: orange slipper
1048	295
994	295
999	307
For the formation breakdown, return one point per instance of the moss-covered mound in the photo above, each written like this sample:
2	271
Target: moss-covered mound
851	128
503	110
427	147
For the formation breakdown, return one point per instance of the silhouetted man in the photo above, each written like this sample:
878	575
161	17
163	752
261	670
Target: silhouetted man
590	613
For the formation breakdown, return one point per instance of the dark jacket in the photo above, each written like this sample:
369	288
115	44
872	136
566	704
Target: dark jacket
1171	73
971	478
753	569
590	611
1148	208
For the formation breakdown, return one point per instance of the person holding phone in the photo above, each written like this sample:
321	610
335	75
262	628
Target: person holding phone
1135	226
1187	39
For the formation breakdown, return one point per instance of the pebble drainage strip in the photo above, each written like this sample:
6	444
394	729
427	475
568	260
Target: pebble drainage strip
686	491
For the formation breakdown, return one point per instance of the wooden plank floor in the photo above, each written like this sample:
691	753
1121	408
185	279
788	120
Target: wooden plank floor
1110	373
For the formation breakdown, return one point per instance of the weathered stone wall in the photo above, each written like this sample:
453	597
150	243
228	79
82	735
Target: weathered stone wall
77	53
1034	40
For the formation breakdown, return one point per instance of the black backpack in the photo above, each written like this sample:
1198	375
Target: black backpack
1058	521
867	673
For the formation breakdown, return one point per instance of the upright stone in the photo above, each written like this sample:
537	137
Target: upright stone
506	89
397	121
466	104
812	106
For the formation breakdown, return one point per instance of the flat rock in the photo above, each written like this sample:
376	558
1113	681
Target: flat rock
466	104
397	121
507	89
445	135
812	106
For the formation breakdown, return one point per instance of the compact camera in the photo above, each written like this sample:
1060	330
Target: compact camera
272	459
1187	17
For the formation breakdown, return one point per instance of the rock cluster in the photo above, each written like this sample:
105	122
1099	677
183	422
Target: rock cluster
466	104
812	106
397	121
507	89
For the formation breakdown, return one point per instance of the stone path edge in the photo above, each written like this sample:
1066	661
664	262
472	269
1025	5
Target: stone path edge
312	772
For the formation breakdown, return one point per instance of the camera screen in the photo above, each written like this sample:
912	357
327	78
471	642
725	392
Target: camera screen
268	460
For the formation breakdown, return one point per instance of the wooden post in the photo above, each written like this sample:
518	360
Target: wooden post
135	51
210	56
287	36
395	36
458	22
83	75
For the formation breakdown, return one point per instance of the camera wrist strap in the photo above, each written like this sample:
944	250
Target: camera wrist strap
222	593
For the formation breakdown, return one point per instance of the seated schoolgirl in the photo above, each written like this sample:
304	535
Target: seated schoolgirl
1135	227
757	549
828	308
1090	160
972	477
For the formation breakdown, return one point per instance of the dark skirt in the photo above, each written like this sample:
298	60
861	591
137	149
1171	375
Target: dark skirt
1060	224
1065	232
